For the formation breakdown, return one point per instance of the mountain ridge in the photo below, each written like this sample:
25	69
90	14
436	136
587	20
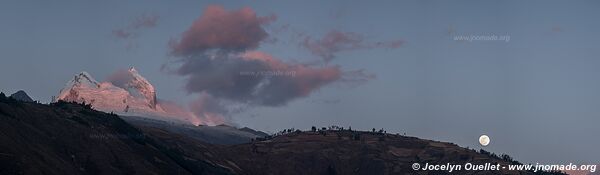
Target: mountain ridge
71	138
21	95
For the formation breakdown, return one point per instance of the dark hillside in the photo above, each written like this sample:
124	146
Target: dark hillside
69	138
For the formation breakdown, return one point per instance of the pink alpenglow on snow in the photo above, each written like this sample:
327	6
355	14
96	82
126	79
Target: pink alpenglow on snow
128	93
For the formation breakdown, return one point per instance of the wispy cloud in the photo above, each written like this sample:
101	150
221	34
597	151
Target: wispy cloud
133	29
336	41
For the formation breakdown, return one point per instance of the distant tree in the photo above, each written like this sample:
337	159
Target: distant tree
356	136
313	129
507	158
86	106
373	129
484	152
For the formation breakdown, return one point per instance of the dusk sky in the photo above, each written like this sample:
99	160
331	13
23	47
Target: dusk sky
527	73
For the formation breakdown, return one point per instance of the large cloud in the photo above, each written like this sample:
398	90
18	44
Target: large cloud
254	77
218	56
222	30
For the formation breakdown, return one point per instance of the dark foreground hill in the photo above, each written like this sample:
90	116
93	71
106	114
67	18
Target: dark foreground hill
68	138
21	96
351	152
221	134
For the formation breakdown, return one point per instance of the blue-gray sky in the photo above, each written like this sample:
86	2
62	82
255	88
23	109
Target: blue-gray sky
536	95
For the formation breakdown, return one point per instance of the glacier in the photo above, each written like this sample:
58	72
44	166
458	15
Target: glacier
135	97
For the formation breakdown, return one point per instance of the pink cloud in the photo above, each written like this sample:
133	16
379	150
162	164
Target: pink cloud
177	111
217	55
333	42
294	81
254	77
121	33
208	109
336	41
220	29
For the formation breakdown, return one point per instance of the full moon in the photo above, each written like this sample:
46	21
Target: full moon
484	140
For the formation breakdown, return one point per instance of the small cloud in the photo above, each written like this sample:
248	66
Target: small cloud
326	101
121	33
144	21
557	29
357	77
337	41
389	44
135	27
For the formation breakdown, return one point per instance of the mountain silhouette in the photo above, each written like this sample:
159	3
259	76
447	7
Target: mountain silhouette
21	96
72	138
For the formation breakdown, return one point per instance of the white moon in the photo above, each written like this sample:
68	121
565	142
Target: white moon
484	140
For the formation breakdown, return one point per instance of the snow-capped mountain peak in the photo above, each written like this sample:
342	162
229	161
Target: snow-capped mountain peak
83	78
127	93
139	86
136	95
